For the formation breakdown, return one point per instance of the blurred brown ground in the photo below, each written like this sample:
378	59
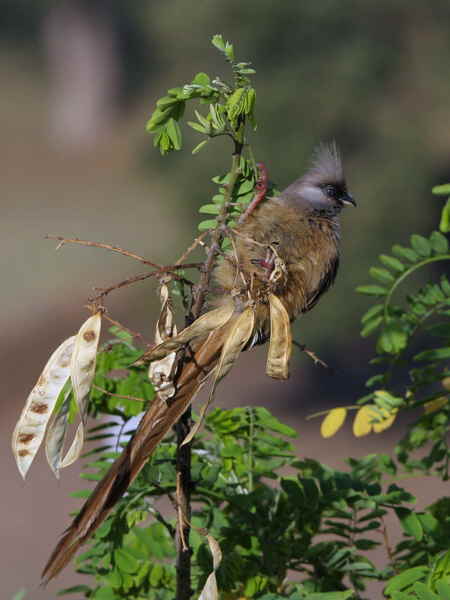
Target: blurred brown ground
102	192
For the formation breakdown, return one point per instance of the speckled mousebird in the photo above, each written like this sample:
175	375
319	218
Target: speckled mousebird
302	224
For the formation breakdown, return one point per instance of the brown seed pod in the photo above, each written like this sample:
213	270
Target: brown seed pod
30	429
199	328
280	345
239	333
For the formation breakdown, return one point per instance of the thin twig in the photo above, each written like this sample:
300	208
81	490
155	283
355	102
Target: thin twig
197	242
62	240
387	544
312	355
100	389
135	334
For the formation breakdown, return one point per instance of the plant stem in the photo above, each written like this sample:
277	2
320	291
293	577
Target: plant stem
182	428
183	470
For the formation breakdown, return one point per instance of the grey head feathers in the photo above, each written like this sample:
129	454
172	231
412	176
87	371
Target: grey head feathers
322	189
326	166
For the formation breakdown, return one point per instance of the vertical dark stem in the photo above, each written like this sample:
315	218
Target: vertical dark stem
182	428
183	469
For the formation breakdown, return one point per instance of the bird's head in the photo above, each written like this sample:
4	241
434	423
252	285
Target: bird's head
323	186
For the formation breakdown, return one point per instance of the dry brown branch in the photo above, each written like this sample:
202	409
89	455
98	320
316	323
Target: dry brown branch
62	240
197	242
135	334
312	355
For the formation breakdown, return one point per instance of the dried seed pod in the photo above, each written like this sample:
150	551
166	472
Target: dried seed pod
82	371
30	429
210	591
240	331
56	435
200	327
280	345
161	372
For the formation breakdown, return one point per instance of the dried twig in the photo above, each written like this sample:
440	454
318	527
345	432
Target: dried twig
135	334
62	240
197	242
312	355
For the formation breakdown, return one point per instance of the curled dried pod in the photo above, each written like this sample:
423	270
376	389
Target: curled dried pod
280	345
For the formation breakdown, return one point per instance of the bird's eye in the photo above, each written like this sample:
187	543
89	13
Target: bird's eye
331	191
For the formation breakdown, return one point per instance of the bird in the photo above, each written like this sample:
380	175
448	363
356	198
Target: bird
299	229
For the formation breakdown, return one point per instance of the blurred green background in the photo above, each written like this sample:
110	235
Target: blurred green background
79	79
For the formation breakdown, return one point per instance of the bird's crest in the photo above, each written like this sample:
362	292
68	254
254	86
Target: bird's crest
326	165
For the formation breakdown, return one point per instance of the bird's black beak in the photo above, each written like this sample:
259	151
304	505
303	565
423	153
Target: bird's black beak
347	199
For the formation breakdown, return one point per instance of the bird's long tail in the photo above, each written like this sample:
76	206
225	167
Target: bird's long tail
154	425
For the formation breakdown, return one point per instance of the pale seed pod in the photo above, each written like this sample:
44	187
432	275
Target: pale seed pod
280	345
30	429
56	434
82	371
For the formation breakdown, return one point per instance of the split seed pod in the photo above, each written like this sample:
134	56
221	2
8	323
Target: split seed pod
199	328
210	590
30	429
280	345
82	371
160	372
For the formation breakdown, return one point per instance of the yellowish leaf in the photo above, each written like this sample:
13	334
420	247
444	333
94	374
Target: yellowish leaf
371	418
280	345
333	422
30	429
434	405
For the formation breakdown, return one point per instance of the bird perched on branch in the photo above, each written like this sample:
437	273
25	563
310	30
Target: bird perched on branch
285	256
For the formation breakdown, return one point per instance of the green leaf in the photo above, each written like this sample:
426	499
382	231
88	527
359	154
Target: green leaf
444	224
373	311
199	146
382	275
432	355
201	79
331	595
218	41
444	589
410	522
199	128
392	339
174	133
208	224
73	590
441	190
370	326
439	242
406	253
20	595
392	262
209	209
406	579
423	592
421	245
372	290
125	561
